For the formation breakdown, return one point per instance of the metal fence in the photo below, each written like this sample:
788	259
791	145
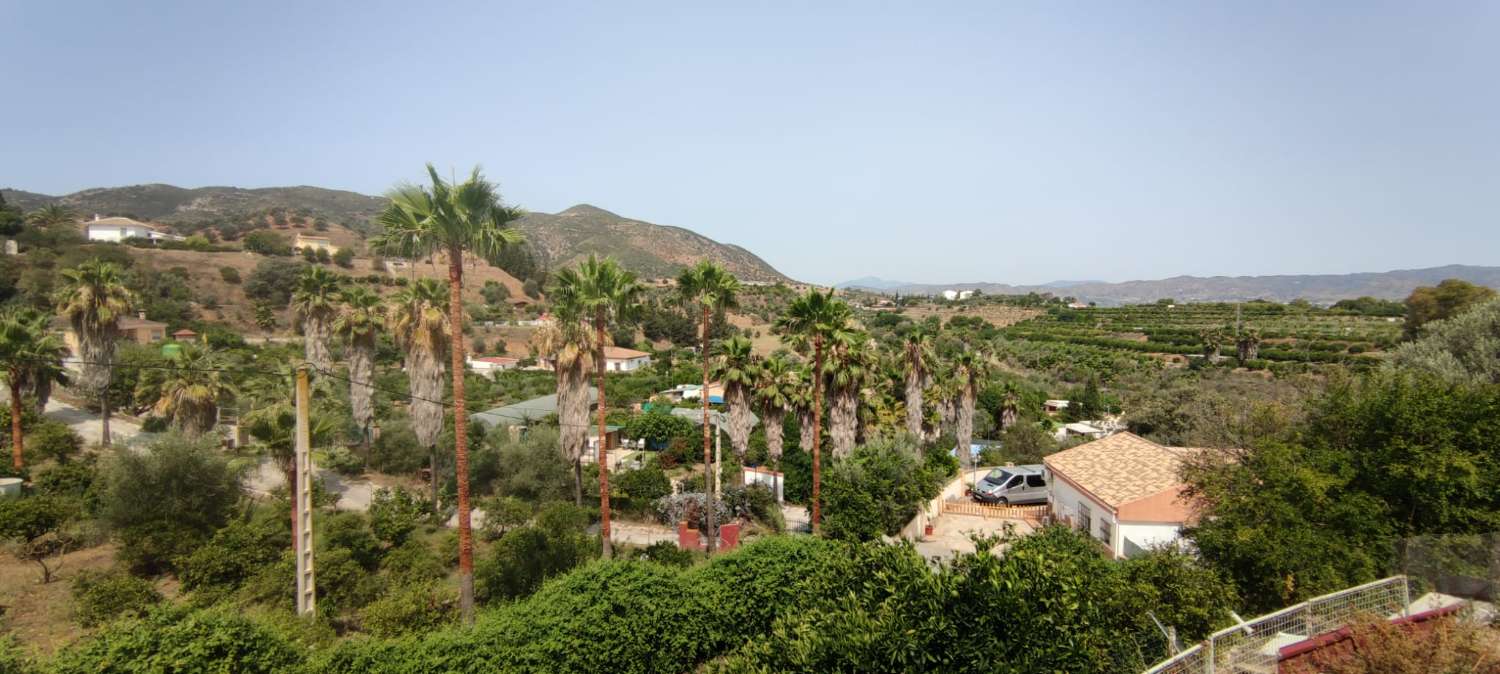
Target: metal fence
1253	647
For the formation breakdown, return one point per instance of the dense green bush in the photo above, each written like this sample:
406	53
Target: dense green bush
230	275
414	609
876	490
640	487
524	557
164	502
395	513
397	452
529	468
413	562
267	243
52	440
234	554
102	596
175	640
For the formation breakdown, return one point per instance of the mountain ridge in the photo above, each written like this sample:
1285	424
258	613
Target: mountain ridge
557	239
1320	288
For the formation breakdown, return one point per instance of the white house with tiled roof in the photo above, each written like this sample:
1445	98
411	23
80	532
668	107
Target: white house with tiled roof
621	359
1123	490
116	230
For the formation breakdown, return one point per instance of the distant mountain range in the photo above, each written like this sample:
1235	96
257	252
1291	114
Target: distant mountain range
1318	288
557	240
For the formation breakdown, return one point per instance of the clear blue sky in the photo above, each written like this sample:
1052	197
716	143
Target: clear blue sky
935	142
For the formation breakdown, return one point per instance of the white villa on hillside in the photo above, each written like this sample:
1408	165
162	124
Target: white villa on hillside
1123	490
116	230
316	243
621	359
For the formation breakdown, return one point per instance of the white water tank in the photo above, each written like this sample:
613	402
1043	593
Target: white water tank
10	486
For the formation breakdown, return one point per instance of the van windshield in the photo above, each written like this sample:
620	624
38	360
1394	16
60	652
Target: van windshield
998	476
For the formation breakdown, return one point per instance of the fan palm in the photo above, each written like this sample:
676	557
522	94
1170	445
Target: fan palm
92	298
604	294
813	319
569	344
737	368
713	290
451	218
316	300
29	352
188	390
359	319
52	214
775	388
802	402
420	327
916	361
1247	345
850	360
969	369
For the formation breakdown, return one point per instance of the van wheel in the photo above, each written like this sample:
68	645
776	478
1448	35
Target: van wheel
1003	501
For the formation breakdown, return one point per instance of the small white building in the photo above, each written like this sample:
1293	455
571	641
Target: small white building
621	359
1085	429
488	365
1123	490
116	230
1054	406
316	243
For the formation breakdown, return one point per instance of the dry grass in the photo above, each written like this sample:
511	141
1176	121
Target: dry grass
39	616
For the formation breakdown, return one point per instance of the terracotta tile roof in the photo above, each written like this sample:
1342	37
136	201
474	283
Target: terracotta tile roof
622	353
1121	468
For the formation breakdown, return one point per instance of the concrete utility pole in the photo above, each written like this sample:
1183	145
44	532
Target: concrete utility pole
302	504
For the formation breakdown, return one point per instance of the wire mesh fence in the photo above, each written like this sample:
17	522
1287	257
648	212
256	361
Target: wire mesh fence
1254	646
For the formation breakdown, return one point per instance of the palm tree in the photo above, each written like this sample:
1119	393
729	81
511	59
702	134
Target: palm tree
569	344
603	294
28	352
52	214
916	361
849	359
802	402
1247	345
1213	341
969	368
1010	406
92	298
775	388
359	319
316	300
737	369
452	218
420	327
188	390
714	291
813	319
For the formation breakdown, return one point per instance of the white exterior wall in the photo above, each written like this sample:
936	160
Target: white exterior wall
627	364
1067	502
118	233
1150	534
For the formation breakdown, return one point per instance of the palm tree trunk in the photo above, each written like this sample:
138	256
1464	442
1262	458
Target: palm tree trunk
15	423
914	401
461	436
804	429
708	464
104	412
965	425
817	467
773	418
609	548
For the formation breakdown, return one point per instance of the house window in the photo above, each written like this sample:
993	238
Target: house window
1106	532
1085	521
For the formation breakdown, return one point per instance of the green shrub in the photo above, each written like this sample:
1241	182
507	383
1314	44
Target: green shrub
876	490
342	461
174	640
13	659
52	440
267	243
350	531
395	513
344	258
165	502
524	557
234	554
102	596
502	514
412	563
415	609
667	553
230	275
641	486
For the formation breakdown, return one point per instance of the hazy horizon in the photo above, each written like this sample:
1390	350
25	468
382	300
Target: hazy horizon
1015	144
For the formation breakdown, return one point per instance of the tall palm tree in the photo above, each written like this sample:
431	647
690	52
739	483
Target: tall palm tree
28	352
316	300
713	290
969	369
775	387
360	315
737	368
52	214
188	390
417	321
850	360
569	344
814	319
604	294
451	218
802	403
1213	340
1010	406
92	298
917	370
